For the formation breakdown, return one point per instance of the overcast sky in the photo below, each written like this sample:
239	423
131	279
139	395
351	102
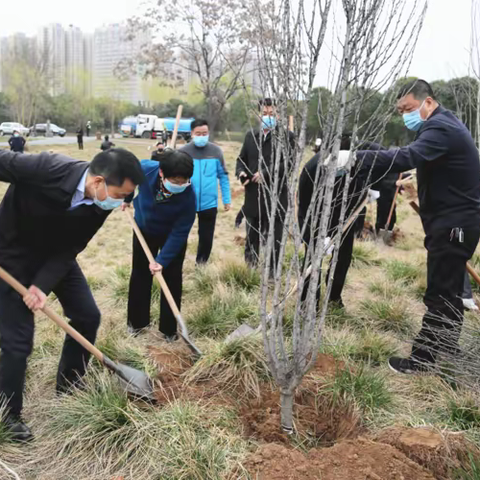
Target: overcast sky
442	50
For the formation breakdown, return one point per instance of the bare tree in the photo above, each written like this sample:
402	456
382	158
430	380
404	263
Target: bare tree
373	41
204	42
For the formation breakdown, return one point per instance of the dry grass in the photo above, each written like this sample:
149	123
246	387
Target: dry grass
99	434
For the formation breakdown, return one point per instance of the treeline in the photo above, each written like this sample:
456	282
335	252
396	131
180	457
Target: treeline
69	111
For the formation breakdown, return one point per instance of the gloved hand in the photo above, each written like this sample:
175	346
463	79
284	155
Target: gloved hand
328	246
343	158
373	196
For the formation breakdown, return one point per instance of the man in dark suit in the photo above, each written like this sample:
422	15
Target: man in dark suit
252	172
51	210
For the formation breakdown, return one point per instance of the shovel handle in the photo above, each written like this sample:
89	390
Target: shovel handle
392	207
16	285
177	124
162	282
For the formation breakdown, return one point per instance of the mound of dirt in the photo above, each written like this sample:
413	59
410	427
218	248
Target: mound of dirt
359	459
325	365
439	453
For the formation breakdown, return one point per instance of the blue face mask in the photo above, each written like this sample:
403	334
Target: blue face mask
107	204
200	141
413	120
269	123
173	188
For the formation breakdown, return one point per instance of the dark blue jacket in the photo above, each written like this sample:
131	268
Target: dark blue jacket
173	218
17	144
448	171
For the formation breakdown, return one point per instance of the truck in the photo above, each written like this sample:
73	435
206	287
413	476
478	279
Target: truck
151	126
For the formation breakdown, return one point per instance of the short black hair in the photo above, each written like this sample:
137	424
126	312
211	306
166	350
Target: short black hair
346	141
106	138
174	163
199	122
266	102
420	89
117	165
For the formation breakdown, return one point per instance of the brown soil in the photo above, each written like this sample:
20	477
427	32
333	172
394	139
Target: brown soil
439	453
359	459
239	240
315	416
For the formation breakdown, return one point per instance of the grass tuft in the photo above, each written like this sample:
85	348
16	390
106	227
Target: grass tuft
238	364
364	255
222	313
240	275
463	412
403	271
388	315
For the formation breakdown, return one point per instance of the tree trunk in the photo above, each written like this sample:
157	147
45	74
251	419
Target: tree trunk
286	411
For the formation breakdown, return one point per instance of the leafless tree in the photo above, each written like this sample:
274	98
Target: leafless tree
364	45
204	43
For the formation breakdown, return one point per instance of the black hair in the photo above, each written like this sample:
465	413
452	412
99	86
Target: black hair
199	122
420	89
106	138
266	102
346	141
117	165
174	163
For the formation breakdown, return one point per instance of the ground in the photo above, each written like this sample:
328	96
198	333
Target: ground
219	418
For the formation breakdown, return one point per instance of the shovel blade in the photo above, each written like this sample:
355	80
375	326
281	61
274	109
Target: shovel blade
133	381
386	236
242	331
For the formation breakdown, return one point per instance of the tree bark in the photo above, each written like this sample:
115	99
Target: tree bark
286	410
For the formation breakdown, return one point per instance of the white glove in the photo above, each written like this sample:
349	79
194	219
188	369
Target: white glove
328	245
343	158
373	196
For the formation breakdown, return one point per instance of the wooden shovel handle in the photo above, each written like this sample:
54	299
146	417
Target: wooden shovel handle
16	285
177	124
470	269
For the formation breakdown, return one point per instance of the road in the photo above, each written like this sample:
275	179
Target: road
52	141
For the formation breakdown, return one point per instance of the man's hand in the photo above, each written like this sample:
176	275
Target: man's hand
257	178
243	175
126	205
35	299
227	207
155	268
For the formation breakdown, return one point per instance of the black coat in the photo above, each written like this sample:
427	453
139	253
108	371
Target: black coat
248	162
448	171
39	236
17	144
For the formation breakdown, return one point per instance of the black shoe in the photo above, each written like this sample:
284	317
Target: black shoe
407	366
170	338
17	429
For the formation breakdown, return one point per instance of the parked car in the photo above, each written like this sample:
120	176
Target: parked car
7	128
41	129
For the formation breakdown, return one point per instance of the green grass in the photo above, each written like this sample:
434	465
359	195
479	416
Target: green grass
387	289
471	472
388	315
463	412
405	272
240	276
95	283
120	285
361	387
364	255
222	313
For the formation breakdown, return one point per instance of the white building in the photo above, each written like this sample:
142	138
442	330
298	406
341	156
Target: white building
52	47
75	68
110	47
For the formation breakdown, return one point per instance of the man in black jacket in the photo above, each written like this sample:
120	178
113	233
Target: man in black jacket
448	176
52	208
17	142
252	171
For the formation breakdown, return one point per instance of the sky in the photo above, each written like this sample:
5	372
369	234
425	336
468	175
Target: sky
442	50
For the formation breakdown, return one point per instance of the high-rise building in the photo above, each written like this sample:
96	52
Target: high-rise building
88	63
111	46
75	68
51	48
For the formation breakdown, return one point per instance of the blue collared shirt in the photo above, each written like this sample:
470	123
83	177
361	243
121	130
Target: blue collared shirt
79	195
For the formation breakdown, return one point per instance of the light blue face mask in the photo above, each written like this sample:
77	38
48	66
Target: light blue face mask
200	141
269	122
173	188
413	120
109	203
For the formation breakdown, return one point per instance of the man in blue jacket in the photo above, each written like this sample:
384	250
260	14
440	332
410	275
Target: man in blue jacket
448	173
164	212
209	170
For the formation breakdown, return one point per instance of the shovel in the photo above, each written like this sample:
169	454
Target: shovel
245	329
135	382
385	233
164	287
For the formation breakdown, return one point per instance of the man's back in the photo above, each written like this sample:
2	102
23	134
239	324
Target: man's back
17	143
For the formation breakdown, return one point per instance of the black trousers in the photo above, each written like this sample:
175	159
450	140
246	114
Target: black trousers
140	291
384	204
17	330
206	231
443	321
341	269
80	145
257	228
